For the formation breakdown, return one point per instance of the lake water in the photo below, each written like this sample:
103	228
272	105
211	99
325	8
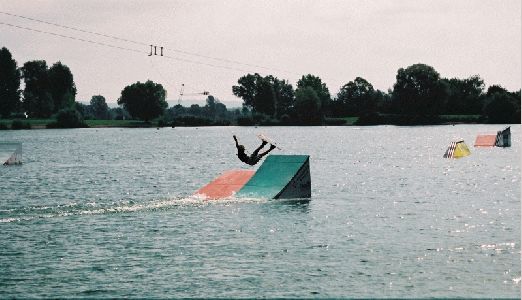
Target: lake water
107	213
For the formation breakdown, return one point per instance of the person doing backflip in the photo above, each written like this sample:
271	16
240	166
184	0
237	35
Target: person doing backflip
255	157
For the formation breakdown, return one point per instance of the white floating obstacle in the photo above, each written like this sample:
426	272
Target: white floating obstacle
10	153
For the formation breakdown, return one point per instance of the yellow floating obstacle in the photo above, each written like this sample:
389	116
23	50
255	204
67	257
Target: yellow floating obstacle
457	149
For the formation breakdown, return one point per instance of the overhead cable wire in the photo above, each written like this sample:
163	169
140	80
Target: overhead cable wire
75	29
145	44
119	47
205	64
225	60
72	37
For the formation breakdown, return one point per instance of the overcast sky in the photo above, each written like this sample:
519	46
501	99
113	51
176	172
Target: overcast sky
209	45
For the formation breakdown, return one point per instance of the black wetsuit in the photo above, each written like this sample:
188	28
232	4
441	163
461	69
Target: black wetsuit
255	157
251	160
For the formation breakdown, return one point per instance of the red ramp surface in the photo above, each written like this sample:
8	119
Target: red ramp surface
226	184
485	140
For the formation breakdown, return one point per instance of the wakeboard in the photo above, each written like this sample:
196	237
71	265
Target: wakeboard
268	140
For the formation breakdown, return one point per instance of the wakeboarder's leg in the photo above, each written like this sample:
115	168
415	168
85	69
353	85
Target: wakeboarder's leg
272	147
259	148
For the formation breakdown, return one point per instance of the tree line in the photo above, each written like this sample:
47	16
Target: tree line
51	92
47	89
419	96
48	92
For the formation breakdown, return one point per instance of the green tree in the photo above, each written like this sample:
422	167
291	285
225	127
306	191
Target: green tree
118	113
221	110
320	89
84	110
495	89
284	97
264	100
215	109
177	110
465	96
517	101
195	110
38	101
210	107
99	107
9	84
247	89
383	101
502	107
419	92
144	101
257	93
356	97
308	106
61	86
68	118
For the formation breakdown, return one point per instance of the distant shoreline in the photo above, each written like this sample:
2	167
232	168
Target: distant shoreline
397	120
5	125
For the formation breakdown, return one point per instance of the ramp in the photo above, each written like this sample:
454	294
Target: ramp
485	140
225	185
280	177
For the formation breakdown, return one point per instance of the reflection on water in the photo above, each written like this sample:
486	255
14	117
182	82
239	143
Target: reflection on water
109	213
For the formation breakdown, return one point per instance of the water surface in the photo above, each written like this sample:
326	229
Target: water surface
108	213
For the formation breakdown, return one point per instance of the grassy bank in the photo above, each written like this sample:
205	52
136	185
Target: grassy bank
345	121
42	123
34	123
460	118
119	123
350	120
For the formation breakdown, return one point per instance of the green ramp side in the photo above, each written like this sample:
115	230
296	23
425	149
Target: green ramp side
280	177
